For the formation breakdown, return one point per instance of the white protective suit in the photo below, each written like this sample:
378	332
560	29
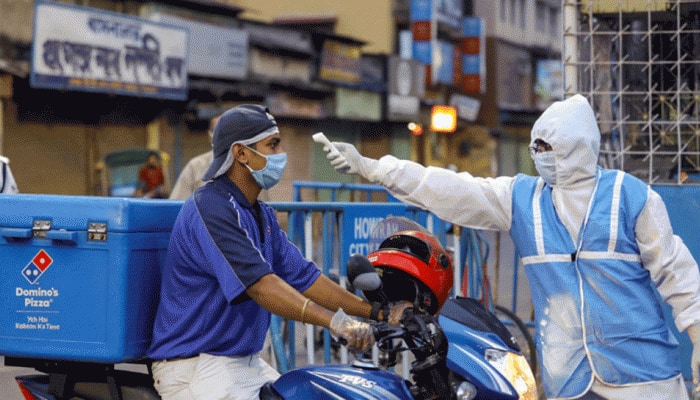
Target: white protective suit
571	129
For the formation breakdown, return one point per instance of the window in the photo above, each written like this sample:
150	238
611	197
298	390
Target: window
541	11
555	28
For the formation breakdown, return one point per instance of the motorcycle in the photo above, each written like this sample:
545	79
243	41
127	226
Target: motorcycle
458	349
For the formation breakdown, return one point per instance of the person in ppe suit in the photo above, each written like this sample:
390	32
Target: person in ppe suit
595	243
229	266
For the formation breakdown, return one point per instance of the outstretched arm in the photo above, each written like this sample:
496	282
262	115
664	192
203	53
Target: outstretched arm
480	203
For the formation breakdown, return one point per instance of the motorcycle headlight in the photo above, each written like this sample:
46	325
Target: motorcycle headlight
465	391
515	368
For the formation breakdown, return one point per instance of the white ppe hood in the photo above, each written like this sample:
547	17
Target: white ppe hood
571	129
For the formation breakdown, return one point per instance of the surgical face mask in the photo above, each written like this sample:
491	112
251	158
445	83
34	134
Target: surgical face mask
545	165
271	174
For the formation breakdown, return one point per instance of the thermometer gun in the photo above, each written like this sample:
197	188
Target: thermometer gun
321	138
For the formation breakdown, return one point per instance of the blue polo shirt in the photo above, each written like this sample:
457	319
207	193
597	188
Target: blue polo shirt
220	245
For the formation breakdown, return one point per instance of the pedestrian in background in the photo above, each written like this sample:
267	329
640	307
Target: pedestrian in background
151	183
597	245
230	266
7	181
190	177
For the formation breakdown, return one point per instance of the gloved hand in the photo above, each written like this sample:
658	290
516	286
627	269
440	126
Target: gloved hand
348	160
358	334
694	334
396	312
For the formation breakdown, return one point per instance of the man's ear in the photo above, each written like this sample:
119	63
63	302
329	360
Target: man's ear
239	154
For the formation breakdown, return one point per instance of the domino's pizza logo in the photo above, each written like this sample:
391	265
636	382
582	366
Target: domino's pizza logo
37	266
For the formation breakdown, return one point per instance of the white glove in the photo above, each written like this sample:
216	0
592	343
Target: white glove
694	334
347	160
358	334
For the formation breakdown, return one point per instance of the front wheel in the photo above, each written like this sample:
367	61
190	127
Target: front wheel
521	333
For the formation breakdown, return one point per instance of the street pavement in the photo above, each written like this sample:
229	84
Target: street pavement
10	391
8	388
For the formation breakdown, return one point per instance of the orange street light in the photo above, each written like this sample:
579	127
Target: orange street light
443	119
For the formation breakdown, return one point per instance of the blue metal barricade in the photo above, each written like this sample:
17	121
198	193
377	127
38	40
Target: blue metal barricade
335	188
345	230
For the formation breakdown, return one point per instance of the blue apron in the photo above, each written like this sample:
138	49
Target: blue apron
597	312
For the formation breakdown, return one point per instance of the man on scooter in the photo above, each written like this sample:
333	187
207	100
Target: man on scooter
230	265
596	245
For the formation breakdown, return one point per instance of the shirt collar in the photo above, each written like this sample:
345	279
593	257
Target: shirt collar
232	188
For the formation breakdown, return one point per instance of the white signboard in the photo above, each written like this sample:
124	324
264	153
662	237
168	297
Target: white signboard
550	82
359	220
77	48
467	107
213	50
405	89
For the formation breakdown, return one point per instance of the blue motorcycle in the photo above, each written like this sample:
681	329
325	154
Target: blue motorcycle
458	355
458	349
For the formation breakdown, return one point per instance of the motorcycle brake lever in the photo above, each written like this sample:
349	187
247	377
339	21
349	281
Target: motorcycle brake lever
383	331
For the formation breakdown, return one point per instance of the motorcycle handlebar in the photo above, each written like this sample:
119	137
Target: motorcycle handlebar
413	330
383	331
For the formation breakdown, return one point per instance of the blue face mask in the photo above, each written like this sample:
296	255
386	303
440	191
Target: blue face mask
545	165
271	174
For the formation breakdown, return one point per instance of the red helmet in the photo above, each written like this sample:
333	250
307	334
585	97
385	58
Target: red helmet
414	259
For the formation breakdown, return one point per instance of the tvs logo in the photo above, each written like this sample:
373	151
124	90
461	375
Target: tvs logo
35	269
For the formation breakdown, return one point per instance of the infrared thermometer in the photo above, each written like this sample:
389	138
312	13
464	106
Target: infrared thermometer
319	137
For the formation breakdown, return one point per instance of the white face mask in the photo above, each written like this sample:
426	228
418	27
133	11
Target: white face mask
545	165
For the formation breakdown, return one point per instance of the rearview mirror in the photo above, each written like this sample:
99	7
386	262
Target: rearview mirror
361	273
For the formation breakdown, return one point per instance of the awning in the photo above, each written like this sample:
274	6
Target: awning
281	39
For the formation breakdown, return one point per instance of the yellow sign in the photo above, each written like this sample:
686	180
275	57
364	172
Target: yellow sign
605	7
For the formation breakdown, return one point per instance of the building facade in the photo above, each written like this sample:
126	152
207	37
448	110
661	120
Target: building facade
58	123
318	66
525	74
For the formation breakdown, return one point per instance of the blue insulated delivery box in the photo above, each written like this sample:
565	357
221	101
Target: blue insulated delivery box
80	275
